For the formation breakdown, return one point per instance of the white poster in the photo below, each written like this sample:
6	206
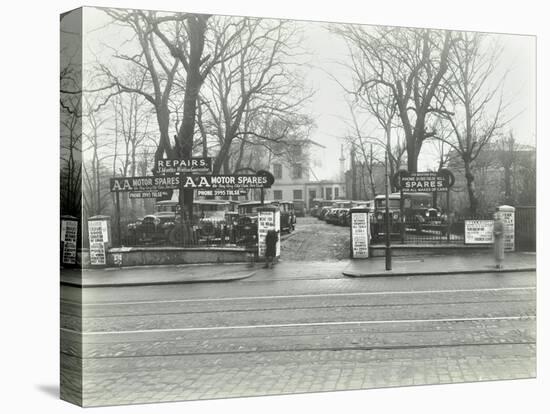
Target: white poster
360	235
278	229
508	218
267	220
69	233
478	232
98	235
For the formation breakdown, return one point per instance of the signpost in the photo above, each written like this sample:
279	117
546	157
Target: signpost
360	233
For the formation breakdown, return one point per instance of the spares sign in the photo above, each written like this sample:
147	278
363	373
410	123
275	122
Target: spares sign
149	183
423	182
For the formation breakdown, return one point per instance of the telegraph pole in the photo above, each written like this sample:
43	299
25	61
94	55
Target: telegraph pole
387	218
387	212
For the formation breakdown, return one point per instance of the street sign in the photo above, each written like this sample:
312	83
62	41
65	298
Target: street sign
424	182
478	231
185	165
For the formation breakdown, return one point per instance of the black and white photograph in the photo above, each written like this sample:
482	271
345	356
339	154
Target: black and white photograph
256	206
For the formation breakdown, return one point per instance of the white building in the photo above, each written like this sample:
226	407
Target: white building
296	180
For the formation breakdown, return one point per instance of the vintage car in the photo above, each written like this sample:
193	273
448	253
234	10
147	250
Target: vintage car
210	219
323	213
247	222
334	215
288	215
164	225
317	205
299	208
418	214
153	228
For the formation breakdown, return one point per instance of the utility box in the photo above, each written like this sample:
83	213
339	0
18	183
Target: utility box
359	233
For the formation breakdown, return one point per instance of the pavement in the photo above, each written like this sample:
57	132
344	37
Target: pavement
440	265
291	270
156	275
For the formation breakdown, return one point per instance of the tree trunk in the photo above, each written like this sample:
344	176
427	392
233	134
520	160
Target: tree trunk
471	187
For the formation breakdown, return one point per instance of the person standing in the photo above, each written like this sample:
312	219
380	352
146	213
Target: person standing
498	233
271	238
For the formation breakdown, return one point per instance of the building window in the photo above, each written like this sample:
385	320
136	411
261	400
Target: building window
297	195
336	192
277	194
328	193
297	171
277	170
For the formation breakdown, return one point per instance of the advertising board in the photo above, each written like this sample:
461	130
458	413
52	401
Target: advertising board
360	234
478	232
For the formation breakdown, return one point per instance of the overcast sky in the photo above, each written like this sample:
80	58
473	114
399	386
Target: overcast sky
328	106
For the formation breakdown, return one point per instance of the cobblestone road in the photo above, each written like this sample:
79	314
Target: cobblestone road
281	335
314	240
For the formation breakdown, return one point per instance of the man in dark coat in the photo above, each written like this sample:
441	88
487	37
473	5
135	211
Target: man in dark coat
271	238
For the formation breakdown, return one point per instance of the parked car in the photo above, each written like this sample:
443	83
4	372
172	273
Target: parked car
164	225
317	205
333	215
299	208
418	214
345	217
153	228
288	215
323	213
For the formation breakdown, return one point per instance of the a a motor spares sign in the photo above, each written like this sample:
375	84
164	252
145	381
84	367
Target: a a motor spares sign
69	233
187	165
268	219
360	234
478	232
98	236
172	182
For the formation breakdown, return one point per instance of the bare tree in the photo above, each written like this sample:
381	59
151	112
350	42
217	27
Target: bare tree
410	64
153	64
256	83
474	107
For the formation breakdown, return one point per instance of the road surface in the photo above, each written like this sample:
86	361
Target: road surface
314	240
277	335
